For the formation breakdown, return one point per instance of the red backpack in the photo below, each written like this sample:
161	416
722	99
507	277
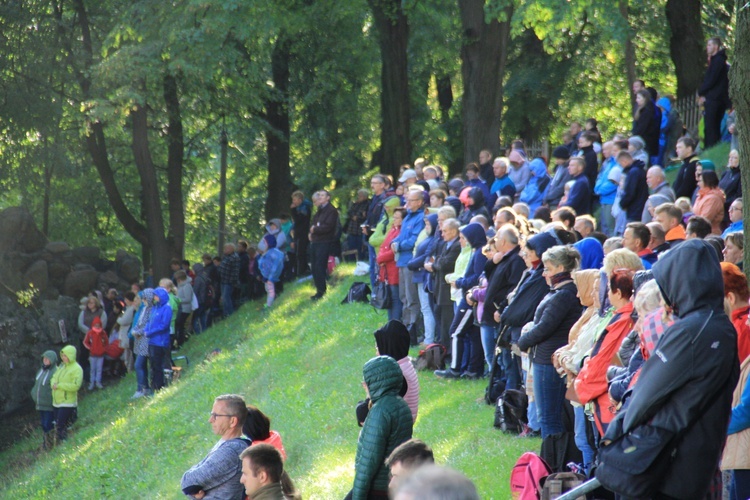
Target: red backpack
526	475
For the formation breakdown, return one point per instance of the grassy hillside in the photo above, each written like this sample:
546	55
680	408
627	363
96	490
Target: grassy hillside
301	363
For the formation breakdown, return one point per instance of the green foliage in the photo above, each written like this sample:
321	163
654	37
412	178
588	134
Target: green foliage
301	363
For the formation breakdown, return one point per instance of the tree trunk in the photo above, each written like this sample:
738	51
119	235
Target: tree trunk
629	50
444	96
740	95
686	44
483	57
175	155
160	256
392	25
280	185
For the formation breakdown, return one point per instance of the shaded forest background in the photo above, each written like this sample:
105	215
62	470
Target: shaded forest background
113	113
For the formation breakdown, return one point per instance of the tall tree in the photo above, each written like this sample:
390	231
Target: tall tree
392	26
629	48
686	44
483	56
740	95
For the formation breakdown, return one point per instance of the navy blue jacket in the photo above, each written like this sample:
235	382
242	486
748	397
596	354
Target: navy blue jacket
636	191
579	197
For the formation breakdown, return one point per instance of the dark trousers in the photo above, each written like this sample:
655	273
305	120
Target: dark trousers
301	249
445	314
512	367
713	115
64	417
48	420
319	251
180	327
468	354
157	356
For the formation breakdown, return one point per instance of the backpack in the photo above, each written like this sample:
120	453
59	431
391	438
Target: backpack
558	483
358	292
510	411
432	357
526	476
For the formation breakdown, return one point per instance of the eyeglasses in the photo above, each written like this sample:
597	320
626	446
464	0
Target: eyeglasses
212	416
735	208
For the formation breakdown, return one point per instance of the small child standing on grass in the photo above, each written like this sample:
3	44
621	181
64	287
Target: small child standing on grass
270	264
96	341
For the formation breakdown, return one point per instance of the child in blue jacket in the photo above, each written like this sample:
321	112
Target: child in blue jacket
271	264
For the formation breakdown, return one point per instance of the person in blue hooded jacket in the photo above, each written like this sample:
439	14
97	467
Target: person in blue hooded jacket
403	246
420	276
468	353
157	332
592	253
534	192
671	130
271	264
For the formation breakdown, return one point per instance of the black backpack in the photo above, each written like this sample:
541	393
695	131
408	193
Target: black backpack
510	412
358	292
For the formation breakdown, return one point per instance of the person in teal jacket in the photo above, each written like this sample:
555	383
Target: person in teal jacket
66	383
388	424
41	393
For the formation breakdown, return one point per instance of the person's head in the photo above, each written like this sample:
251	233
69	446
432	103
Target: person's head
576	165
229	249
408	178
620	286
377	184
735	210
543	214
709	179
733	161
405	459
430	173
636	237
522	209
655	176
591	124
257	425
437	198
736	292
668	216
129	297
638	85
504	201
450	229
472	171
560	259
500	168
398	217
93	304
505	215
697	227
431	481
642	98
175	264
635	144
262	465
207	259
516	159
297	198
485	156
566	215
621	145
685	147
734	247
713	45
622	259
611	243
166	284
561	154
414	200
585	225
180	276
228	415
607	149
625	159
574	129
585	140
657	234
323	197
507	238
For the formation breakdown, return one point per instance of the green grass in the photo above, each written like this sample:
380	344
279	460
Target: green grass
301	363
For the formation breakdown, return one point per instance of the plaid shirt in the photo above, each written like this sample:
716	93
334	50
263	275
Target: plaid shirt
229	269
652	329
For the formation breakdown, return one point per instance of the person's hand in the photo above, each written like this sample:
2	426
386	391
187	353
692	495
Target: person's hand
394	247
428	267
701	100
496	316
497	257
54	386
199	495
515	349
469	300
730	129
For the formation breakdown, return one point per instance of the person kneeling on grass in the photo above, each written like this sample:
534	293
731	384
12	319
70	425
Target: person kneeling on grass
271	264
218	475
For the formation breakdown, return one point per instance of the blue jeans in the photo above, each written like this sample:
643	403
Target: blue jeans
394	312
141	372
549	393
373	265
488	343
740	486
200	319
606	220
427	315
581	441
48	420
512	367
226	299
158	355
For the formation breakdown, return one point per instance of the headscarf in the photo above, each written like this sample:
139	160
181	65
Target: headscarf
393	340
584	280
592	253
147	303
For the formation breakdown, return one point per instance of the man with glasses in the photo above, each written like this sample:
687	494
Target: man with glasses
218	475
374	212
735	217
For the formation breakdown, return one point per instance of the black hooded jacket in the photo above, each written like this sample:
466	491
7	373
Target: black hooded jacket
684	391
503	278
715	86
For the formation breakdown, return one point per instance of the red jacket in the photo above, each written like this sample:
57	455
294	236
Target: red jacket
591	382
387	259
739	320
96	342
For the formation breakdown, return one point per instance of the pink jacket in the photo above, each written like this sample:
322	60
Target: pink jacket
412	392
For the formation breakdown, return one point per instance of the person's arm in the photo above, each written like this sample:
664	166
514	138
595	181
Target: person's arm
629	193
407	239
741	413
73	379
552	317
712	76
592	379
370	452
87	341
81	325
216	469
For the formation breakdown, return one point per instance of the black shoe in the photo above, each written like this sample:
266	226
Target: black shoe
316	297
448	373
470	375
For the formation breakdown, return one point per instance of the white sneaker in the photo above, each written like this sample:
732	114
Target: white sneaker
138	394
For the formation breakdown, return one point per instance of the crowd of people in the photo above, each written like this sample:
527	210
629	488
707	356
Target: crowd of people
565	281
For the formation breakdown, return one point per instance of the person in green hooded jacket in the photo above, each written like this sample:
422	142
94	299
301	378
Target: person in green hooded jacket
388	424
66	382
41	393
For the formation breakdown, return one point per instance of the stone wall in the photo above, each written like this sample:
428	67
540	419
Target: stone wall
62	275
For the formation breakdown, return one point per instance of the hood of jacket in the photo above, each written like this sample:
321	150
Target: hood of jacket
538	168
455	203
585	281
70	352
592	253
665	104
147	296
275	222
52	356
433	220
383	377
477	195
393	340
707	285
163	297
541	242
474	234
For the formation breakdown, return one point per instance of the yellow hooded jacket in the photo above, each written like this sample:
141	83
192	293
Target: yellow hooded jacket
67	380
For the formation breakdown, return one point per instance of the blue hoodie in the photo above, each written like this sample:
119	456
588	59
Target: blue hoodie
592	253
416	264
475	235
157	329
534	192
604	187
271	263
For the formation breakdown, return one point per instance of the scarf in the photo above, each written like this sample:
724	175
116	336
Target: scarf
559	278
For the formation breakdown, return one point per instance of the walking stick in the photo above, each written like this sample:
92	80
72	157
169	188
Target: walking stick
581	490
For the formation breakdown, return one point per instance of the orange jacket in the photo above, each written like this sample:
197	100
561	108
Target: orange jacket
96	342
591	382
